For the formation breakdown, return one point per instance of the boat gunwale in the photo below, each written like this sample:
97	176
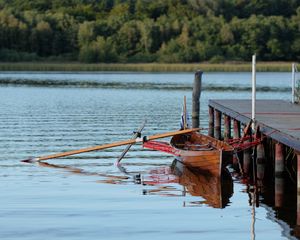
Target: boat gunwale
215	149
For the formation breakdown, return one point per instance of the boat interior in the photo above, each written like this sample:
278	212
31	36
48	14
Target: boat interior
199	142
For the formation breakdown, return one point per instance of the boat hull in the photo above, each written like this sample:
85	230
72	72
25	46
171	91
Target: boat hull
201	151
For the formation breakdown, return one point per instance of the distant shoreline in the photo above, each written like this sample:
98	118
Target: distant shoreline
145	67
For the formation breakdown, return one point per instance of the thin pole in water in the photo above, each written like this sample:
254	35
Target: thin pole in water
293	82
253	90
184	113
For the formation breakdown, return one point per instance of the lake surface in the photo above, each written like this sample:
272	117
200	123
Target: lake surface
150	196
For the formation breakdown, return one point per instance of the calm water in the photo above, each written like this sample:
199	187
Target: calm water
87	196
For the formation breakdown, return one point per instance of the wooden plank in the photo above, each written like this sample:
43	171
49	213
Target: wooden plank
277	119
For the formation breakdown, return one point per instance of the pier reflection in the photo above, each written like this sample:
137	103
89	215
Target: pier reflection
275	191
279	198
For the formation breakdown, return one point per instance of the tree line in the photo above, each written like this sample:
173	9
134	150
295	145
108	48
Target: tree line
149	31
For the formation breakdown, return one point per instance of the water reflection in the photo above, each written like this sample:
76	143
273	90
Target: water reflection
216	191
113	179
276	192
278	196
166	181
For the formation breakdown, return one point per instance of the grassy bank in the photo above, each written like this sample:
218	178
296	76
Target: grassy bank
146	67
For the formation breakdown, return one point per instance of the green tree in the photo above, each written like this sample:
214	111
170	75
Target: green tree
86	33
100	50
41	39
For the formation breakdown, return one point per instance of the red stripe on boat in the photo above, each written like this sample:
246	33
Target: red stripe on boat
161	146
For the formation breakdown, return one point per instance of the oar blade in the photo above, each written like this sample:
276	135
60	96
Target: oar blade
30	160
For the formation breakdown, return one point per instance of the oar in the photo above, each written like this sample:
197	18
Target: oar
110	145
135	136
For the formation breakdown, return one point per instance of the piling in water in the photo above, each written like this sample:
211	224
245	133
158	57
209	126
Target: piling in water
227	127
236	135
298	188
196	99
218	124
279	169
236	129
246	155
279	158
260	163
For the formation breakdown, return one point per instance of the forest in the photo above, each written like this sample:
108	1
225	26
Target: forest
142	31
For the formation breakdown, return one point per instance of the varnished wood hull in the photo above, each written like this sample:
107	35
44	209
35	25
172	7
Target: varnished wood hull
214	156
216	191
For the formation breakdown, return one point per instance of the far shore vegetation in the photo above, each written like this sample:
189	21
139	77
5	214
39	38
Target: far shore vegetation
119	35
146	67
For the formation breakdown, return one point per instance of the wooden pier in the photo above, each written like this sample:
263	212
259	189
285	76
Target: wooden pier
278	119
279	123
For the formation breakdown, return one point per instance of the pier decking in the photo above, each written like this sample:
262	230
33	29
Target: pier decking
278	119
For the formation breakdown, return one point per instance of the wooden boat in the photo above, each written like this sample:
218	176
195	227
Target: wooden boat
215	191
201	151
197	150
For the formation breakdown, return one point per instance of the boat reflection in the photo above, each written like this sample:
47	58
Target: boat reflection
215	190
166	181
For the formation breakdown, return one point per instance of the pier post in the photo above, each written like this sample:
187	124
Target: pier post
236	135
260	161
236	129
196	99
227	127
211	121
218	124
293	81
279	169
246	160
298	188
279	158
246	157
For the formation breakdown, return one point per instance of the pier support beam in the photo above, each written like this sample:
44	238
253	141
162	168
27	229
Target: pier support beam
236	135
298	189
218	124
211	121
196	99
297	227
279	158
279	169
246	158
260	163
227	127
236	129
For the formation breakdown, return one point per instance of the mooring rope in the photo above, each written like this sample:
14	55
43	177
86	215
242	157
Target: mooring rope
239	145
239	162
